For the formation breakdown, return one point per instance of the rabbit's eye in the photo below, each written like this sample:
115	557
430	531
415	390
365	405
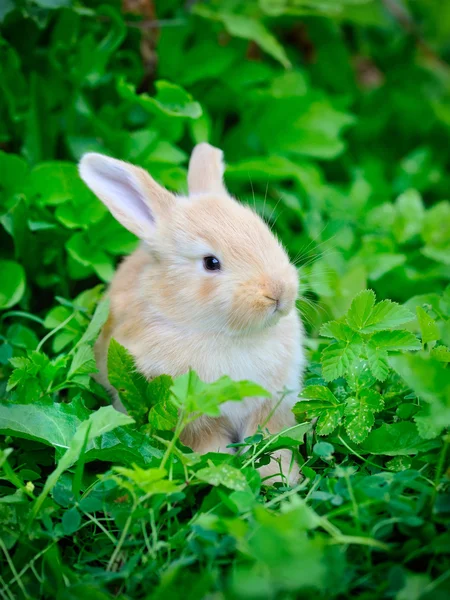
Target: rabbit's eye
211	263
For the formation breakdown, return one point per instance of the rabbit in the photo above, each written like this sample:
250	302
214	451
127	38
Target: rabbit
210	289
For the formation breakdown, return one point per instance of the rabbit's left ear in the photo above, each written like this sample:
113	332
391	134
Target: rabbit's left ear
206	170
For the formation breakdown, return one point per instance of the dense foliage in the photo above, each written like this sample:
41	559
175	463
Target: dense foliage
334	117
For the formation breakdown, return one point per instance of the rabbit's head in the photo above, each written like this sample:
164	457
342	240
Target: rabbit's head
213	263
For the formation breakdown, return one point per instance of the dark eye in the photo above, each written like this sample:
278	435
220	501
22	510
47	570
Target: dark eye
211	263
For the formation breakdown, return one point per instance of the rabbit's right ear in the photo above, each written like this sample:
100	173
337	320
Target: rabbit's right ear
131	195
206	168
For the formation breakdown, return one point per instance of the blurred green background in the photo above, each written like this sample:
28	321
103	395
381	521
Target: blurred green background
334	117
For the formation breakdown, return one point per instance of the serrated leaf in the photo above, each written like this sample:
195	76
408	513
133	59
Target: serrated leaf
360	310
360	414
337	330
196	396
130	385
387	315
378	361
328	421
369	399
83	362
395	340
337	358
225	475
359	424
151	481
318	392
428	326
441	353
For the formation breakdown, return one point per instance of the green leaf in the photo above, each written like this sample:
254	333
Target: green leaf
163	413
130	385
12	283
360	310
328	421
102	421
171	100
151	481
395	340
378	361
52	424
99	318
318	392
430	380
337	330
195	396
324	450
360	414
225	475
83	362
428	327
249	29
387	315
396	439
441	353
359	424
71	521
409	216
337	359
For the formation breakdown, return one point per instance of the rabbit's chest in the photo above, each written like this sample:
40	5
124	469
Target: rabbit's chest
275	362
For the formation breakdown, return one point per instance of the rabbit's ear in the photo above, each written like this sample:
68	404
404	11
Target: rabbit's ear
206	170
131	195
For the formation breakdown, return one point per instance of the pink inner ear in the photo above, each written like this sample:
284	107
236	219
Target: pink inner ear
126	197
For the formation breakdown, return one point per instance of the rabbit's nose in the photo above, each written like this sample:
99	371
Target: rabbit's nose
274	290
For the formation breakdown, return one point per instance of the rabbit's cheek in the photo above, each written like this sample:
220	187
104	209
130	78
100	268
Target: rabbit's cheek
207	289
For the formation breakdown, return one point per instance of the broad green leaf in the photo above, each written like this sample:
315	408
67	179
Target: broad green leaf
395	340
397	439
52	424
12	283
171	100
130	385
360	310
71	521
13	169
244	27
337	358
102	421
223	474
428	327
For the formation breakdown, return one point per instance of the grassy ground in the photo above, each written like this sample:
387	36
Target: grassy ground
334	118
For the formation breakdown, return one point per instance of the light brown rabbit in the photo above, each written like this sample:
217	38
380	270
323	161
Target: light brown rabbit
210	288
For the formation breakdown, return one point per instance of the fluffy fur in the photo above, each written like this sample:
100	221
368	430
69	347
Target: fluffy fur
173	315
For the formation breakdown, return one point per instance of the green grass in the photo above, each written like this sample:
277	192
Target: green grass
334	119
